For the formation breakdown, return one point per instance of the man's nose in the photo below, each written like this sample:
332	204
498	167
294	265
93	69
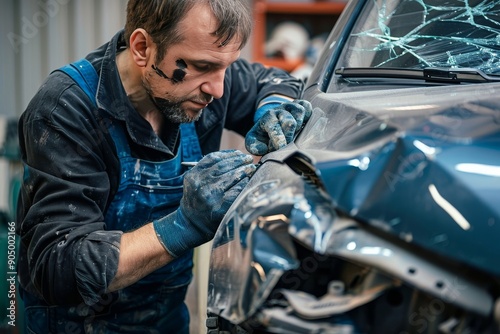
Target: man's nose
214	85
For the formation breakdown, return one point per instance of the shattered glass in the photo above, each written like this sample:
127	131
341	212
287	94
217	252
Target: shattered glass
415	34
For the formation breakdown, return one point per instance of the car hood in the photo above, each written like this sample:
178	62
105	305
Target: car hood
422	164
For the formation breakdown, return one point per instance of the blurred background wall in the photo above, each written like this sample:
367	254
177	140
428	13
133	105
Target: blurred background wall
38	36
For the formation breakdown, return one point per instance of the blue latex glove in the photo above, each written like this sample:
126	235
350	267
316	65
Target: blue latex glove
210	188
277	127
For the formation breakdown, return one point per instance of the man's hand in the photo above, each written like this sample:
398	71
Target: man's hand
277	127
209	190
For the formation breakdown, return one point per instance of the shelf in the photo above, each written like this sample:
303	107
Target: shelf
305	8
287	65
317	17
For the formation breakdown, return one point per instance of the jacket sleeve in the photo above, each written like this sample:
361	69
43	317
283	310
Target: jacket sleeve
249	83
69	257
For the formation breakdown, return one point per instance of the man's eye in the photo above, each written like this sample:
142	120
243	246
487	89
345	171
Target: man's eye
202	68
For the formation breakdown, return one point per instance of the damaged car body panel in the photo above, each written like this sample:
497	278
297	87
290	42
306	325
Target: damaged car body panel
382	216
395	164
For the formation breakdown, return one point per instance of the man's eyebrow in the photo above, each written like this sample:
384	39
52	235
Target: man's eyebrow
204	62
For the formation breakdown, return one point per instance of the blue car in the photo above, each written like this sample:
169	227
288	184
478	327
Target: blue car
383	215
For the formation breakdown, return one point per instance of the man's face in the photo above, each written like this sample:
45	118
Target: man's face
192	72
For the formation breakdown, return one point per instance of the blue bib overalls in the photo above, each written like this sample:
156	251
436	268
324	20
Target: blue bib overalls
147	190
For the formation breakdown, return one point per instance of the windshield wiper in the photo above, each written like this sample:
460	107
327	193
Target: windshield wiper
431	74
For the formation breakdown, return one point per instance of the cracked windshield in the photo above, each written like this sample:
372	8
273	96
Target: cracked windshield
417	34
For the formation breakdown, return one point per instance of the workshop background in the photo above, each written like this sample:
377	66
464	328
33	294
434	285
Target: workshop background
38	36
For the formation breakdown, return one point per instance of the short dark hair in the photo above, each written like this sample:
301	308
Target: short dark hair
160	18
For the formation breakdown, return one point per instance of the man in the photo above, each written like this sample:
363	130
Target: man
108	214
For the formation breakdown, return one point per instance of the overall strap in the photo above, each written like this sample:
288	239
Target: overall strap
85	75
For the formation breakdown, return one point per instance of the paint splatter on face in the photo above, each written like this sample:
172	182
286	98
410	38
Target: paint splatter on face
181	64
179	72
172	106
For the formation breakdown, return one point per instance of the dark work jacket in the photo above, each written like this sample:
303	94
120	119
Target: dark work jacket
72	172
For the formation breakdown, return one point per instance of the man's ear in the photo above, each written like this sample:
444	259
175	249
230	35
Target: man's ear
140	47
